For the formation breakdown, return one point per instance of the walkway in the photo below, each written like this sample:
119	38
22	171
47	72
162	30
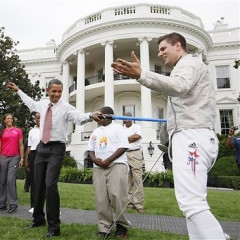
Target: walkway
152	222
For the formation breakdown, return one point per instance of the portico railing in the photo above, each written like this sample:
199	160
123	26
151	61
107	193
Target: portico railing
96	79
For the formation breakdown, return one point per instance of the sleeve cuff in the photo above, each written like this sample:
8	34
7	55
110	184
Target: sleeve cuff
142	76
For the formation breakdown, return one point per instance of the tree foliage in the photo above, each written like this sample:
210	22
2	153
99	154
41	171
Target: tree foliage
11	70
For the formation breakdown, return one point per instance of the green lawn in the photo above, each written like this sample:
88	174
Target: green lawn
157	201
224	204
13	229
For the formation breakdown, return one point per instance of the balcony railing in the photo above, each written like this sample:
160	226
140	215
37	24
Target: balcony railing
141	11
73	87
96	79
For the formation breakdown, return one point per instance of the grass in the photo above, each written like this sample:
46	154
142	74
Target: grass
158	201
13	228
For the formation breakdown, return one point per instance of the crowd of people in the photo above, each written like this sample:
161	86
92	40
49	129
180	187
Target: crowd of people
116	151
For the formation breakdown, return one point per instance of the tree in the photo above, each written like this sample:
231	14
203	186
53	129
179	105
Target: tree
12	70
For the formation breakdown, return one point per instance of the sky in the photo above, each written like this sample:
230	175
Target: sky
35	22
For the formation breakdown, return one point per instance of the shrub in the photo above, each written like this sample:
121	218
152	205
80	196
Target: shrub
227	182
74	175
225	166
69	161
223	150
157	179
167	176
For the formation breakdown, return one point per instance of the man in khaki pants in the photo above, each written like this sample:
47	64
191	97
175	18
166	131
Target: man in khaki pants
135	162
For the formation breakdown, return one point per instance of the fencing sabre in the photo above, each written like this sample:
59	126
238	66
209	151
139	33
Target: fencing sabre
115	117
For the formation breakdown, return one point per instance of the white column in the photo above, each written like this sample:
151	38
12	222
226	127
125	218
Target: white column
148	131
65	77
109	81
199	53
146	99
80	104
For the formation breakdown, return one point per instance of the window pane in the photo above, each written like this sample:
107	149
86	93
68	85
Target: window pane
222	74
157	69
223	83
100	75
129	108
226	118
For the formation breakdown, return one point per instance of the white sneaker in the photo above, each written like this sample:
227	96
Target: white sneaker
31	210
227	236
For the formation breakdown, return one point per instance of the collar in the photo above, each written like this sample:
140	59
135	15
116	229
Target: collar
177	61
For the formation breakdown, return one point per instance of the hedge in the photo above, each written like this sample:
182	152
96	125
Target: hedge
227	182
74	175
225	166
158	179
224	174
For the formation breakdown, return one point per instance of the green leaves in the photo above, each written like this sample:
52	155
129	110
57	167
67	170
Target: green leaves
11	69
74	175
157	179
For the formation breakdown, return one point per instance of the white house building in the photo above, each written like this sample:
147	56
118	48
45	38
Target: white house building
83	63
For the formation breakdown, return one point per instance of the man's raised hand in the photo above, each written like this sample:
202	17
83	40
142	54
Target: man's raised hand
129	69
12	86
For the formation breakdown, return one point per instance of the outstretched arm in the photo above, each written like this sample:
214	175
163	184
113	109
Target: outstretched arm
29	102
129	69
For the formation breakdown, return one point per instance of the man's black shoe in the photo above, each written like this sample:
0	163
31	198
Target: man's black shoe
3	208
35	225
121	232
52	234
12	209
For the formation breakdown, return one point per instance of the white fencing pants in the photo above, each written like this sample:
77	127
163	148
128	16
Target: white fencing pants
194	152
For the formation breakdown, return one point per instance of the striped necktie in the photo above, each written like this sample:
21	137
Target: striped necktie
47	125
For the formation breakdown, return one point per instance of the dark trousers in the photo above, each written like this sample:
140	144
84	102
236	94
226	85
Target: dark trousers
27	181
31	159
48	163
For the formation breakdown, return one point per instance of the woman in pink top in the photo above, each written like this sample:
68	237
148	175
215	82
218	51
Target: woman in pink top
11	158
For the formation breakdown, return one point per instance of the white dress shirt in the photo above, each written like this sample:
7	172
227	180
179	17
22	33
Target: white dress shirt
134	129
62	112
33	138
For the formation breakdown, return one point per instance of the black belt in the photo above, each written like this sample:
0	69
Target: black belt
131	150
51	142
